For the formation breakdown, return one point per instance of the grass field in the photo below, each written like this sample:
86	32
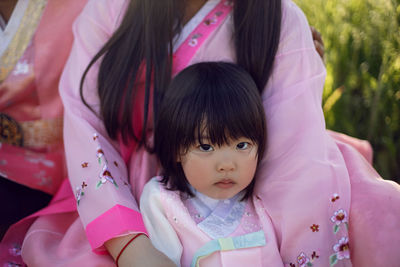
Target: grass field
362	56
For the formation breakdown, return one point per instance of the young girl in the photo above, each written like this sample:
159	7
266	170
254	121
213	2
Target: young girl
209	138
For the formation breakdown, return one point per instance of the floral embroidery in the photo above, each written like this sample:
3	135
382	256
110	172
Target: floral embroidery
15	250
21	68
43	178
95	136
213	19
45	162
314	255
79	192
314	227
335	197
193	41
99	154
85	164
106	176
342	251
116	164
338	218
303	260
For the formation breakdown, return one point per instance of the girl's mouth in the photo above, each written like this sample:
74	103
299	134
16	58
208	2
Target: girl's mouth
225	183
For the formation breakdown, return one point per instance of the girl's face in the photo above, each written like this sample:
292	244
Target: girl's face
220	172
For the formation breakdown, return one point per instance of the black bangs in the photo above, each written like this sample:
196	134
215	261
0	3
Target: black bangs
217	101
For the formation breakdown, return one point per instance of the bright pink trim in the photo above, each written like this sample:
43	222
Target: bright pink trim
190	46
116	221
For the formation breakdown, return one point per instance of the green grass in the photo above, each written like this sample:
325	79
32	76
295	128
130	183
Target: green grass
362	57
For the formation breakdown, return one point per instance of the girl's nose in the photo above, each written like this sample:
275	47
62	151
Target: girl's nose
226	164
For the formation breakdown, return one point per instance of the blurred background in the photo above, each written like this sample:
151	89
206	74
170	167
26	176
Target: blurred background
362	57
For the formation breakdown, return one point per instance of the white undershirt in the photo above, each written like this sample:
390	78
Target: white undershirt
194	21
7	31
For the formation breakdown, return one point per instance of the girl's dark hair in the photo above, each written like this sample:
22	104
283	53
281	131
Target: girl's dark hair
142	46
214	99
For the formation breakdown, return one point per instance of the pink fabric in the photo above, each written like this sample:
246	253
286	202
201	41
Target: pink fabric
110	224
374	214
192	238
31	94
312	186
10	246
43	171
362	146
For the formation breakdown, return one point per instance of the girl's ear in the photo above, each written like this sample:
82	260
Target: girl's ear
179	157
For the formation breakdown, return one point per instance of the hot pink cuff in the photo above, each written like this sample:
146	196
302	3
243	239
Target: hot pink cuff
115	222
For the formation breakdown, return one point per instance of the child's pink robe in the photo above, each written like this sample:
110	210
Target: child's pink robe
322	196
243	237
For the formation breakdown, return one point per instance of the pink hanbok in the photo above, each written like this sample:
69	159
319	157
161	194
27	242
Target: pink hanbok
326	204
191	233
34	47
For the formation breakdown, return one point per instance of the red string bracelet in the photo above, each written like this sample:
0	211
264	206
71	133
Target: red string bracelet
127	244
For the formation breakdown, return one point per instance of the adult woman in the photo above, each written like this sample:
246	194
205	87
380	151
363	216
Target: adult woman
272	41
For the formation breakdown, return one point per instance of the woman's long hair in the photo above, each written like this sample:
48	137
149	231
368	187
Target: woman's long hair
142	45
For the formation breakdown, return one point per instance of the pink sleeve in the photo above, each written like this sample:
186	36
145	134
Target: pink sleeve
304	167
98	175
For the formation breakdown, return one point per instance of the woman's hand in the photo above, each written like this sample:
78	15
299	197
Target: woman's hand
140	252
318	43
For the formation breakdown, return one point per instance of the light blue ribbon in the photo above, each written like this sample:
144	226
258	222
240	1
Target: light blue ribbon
256	239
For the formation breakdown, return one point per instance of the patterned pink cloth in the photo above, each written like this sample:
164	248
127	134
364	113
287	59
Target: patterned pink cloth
30	93
322	196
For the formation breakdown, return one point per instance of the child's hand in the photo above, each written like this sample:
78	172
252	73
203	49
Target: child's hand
138	253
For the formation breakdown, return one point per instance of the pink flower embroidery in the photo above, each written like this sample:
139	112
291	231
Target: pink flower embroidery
302	260
79	192
342	249
106	176
99	152
193	42
339	217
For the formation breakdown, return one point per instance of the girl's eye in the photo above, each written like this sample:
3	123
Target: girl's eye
243	145
206	147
